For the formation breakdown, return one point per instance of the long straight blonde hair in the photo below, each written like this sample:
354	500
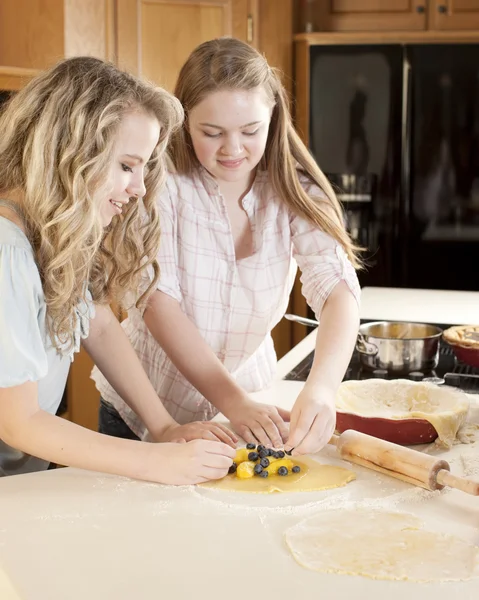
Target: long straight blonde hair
56	148
230	64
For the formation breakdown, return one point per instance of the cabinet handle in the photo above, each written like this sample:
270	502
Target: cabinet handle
420	9
249	29
442	8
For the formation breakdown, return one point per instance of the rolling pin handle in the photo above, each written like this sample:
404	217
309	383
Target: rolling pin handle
469	486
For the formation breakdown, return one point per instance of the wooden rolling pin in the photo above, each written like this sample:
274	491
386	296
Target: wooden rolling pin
402	463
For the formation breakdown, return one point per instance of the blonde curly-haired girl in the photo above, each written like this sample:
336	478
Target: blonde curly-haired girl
81	160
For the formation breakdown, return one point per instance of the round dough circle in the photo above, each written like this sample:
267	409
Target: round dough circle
313	476
380	545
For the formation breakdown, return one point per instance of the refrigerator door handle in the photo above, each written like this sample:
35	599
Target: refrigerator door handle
406	139
405	186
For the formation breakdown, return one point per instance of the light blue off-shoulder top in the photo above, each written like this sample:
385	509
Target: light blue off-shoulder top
26	353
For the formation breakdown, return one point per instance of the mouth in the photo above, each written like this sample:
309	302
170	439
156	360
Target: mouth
231	164
117	206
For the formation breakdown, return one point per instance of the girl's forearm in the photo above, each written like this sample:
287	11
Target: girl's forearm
26	427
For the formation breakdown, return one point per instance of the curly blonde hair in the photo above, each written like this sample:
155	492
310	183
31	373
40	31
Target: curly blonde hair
56	148
230	64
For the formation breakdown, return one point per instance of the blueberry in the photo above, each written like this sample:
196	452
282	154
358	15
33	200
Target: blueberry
289	452
270	451
263	453
258	469
264	462
276	455
260	448
264	474
281	454
233	468
296	469
250	446
282	471
253	456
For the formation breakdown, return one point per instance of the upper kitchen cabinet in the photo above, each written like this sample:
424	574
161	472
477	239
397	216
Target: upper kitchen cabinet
36	33
454	15
382	16
361	15
154	37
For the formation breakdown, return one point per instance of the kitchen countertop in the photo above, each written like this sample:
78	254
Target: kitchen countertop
68	534
421	306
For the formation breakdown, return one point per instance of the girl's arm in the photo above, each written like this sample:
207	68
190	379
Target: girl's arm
192	356
112	352
313	416
24	426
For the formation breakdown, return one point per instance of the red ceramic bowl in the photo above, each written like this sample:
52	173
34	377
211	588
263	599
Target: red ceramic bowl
406	432
469	356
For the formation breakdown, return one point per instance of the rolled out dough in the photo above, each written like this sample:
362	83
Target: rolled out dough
313	476
380	545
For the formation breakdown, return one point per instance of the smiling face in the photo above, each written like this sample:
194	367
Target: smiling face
229	130
137	137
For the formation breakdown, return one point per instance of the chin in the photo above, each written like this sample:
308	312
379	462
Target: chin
105	221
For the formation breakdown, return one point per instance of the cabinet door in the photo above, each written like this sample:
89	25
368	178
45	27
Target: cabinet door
363	15
31	33
154	37
454	15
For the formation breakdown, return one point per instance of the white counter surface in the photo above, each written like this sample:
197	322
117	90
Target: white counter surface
73	535
420	306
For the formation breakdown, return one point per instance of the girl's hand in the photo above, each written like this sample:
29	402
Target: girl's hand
206	430
262	423
313	420
189	463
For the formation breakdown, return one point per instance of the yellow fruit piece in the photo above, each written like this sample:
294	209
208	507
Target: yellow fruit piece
241	455
245	470
280	462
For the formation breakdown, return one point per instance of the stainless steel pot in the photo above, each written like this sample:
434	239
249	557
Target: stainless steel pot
398	347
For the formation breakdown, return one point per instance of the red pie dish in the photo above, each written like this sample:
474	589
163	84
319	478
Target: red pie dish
401	411
464	340
406	432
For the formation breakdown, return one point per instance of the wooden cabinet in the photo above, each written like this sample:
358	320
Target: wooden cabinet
454	15
387	15
36	33
364	15
154	37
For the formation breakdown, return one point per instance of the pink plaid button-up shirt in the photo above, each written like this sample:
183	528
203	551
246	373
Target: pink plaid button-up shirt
234	304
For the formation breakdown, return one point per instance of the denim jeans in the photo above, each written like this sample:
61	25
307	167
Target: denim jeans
110	422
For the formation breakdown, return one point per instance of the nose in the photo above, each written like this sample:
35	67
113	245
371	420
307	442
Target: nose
136	186
232	146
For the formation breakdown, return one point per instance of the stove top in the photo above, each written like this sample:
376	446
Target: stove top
449	371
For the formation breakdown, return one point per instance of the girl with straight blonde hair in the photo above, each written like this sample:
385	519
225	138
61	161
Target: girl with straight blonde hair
81	160
244	206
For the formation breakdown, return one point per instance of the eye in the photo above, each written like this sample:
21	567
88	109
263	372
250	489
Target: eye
250	133
126	168
212	135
